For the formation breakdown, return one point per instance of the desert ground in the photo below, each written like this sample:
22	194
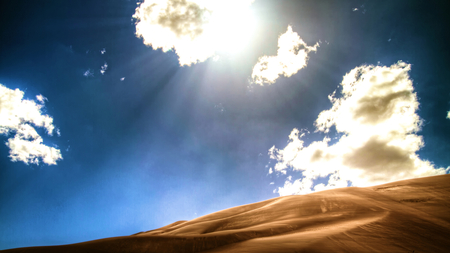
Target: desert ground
404	216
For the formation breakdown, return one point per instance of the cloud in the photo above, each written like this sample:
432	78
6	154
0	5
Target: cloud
195	29
292	56
41	99
448	115
88	73
377	123
17	116
103	68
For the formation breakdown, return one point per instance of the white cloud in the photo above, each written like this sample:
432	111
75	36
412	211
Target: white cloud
17	116
292	55
41	99
377	119
448	115
195	29
103	51
31	151
103	68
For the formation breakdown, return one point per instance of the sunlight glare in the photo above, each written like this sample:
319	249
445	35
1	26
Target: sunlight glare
196	29
232	35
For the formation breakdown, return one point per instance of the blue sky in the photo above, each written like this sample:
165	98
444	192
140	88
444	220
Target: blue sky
171	142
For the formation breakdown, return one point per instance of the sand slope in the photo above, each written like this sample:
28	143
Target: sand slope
403	216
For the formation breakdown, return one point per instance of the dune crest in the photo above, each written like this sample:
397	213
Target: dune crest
404	216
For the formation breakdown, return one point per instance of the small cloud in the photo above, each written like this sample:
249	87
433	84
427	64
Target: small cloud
103	51
270	171
103	68
363	10
58	132
292	55
41	99
220	108
88	73
448	115
19	116
122	79
272	183
250	86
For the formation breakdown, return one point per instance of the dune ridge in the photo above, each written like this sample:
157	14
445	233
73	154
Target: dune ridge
403	216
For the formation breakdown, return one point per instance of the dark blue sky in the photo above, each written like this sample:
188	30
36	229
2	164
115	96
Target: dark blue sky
173	143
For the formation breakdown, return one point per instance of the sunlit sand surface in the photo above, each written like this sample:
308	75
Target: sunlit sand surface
404	216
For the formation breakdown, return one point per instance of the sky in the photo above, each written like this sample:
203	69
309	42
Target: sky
120	116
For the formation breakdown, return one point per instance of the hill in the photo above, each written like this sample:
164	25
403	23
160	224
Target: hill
404	216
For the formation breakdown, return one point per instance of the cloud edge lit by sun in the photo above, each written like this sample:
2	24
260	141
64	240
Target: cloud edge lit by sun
292	55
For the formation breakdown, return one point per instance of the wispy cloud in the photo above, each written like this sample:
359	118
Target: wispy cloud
362	8
195	29
17	116
378	124
88	73
41	99
292	55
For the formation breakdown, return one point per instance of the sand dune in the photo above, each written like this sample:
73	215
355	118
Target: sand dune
404	216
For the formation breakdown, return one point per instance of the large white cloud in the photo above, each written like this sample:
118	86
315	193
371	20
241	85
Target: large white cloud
378	124
292	55
195	29
17	115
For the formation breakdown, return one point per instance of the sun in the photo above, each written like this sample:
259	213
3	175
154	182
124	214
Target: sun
232	25
197	29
